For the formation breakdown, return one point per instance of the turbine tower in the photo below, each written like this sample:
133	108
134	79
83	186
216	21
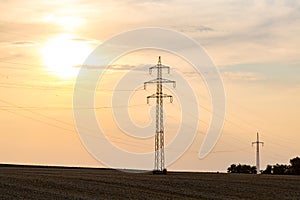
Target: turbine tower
159	160
257	143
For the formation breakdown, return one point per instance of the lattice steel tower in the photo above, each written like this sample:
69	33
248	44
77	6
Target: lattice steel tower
257	143
159	160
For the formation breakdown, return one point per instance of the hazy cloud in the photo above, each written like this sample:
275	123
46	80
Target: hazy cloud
116	67
24	43
242	76
86	40
194	29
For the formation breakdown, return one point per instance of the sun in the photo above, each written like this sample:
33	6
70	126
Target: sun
63	55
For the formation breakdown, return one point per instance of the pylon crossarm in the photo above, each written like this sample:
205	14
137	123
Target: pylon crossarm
151	96
159	80
149	82
168	96
152	81
151	69
159	66
162	96
166	67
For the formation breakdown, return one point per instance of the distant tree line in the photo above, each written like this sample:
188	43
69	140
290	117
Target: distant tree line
292	169
244	169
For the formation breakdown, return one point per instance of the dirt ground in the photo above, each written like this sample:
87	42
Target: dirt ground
17	182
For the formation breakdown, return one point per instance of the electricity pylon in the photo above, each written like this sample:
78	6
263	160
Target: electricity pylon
257	152
159	160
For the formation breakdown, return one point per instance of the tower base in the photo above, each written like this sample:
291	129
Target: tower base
164	171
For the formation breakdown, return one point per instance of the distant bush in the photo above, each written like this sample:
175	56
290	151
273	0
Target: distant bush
268	170
293	168
280	169
244	169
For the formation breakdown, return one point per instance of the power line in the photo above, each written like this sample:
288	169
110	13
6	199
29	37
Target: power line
114	139
9	85
67	108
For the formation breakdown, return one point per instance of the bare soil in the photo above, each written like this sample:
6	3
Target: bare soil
25	182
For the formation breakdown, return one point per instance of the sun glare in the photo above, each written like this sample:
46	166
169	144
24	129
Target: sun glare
63	55
69	23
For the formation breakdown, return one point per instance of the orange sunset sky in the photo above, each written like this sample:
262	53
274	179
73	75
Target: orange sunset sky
254	43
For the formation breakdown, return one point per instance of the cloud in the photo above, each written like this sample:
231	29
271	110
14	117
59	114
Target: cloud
233	31
242	76
194	29
111	67
24	43
86	40
116	67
